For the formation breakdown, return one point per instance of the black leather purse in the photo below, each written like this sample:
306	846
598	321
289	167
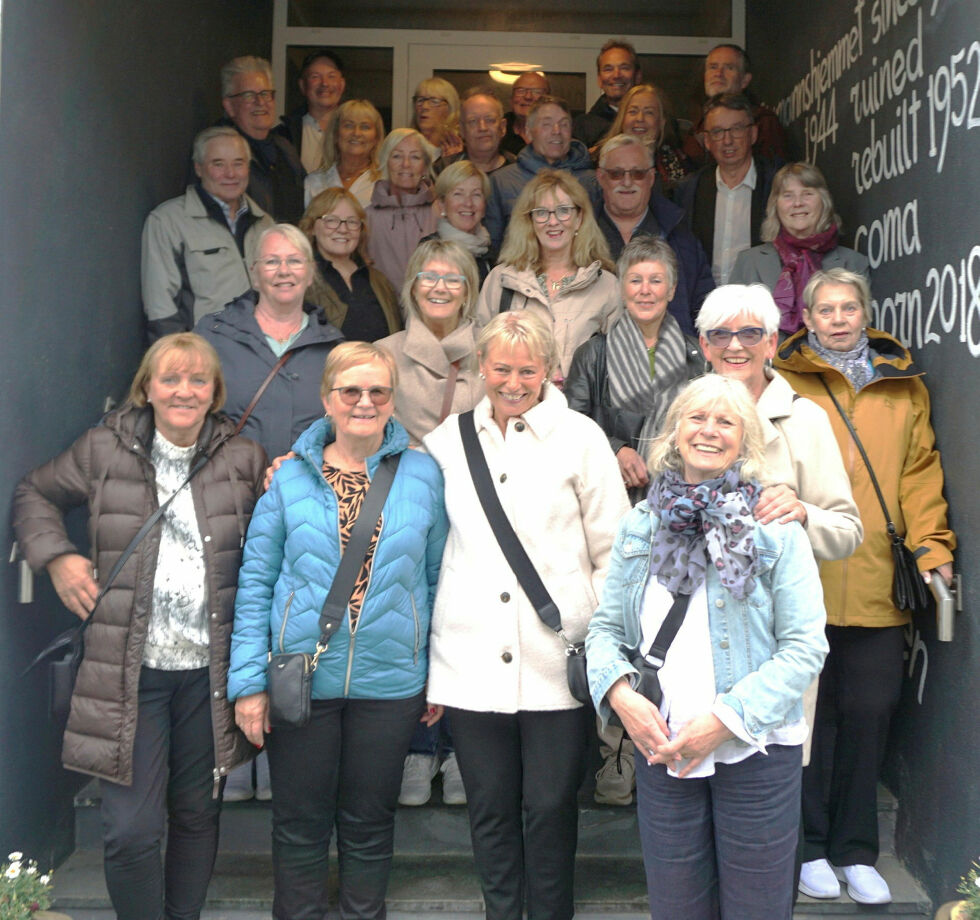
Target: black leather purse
289	677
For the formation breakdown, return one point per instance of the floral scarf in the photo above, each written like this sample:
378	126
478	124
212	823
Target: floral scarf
800	258
702	521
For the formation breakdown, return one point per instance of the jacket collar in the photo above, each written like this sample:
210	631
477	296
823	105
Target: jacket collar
237	321
309	445
576	160
525	282
422	347
541	419
890	358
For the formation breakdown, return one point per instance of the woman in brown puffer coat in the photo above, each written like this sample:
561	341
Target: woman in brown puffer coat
149	715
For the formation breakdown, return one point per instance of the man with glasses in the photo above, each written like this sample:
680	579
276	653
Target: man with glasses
726	203
276	179
618	71
528	88
197	247
321	81
631	206
482	126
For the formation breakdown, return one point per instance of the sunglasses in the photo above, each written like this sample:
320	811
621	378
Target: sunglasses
351	396
747	335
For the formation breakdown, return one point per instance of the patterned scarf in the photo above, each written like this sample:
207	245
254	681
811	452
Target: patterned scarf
855	364
702	521
630	386
800	259
477	244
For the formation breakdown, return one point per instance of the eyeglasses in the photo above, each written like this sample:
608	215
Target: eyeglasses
420	101
351	396
476	121
564	212
527	92
272	263
616	173
747	335
250	96
736	131
452	281
332	223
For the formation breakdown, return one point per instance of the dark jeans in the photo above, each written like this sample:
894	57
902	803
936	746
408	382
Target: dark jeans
722	846
173	785
432	739
860	686
521	773
343	768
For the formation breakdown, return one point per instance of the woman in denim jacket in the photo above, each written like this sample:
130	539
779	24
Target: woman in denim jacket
718	779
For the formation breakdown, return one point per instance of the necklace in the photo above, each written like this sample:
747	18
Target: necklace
267	323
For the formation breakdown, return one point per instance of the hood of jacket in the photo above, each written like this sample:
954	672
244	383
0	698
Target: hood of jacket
525	281
890	358
237	321
384	197
576	160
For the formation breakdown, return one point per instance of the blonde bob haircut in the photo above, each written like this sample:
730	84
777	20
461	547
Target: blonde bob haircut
436	86
809	177
521	248
350	354
839	276
442	251
326	203
640	89
456	174
394	138
182	350
353	109
707	392
520	327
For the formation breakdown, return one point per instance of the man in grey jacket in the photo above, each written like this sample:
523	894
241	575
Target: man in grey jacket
197	247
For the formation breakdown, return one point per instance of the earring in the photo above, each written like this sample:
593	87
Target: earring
483	376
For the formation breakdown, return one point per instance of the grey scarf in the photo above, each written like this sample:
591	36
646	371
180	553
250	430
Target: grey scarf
855	364
477	244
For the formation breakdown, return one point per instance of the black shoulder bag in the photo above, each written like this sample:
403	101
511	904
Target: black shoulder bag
909	591
648	665
290	674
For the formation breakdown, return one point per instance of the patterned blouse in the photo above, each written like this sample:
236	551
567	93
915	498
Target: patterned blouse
351	488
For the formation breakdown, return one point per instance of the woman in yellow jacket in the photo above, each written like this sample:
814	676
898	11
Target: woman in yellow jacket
874	380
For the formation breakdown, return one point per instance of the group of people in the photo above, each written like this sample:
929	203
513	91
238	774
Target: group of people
518	346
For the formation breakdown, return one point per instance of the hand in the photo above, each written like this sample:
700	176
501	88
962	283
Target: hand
273	468
433	713
641	720
945	571
71	575
779	503
632	467
252	717
695	741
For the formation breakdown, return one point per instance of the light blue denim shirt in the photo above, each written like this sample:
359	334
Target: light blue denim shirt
766	649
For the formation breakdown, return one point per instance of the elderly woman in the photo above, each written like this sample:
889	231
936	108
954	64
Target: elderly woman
718	784
801	230
401	212
554	262
343	768
149	715
353	295
643	113
435	108
461	192
350	152
497	668
871	377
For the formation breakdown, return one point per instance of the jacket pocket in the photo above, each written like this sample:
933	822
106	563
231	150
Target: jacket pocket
418	630
285	620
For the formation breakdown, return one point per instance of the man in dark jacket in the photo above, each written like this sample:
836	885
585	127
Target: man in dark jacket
321	81
618	72
630	207
276	176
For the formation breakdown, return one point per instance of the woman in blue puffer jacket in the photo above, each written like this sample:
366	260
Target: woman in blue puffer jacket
344	767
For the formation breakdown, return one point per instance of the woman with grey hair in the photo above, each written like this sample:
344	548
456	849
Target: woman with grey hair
801	230
401	210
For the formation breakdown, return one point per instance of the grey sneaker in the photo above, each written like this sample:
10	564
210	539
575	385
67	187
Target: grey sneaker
453	792
417	778
614	783
263	784
238	786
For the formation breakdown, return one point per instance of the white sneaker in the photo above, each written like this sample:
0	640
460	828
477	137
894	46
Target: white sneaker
817	880
865	885
453	792
417	779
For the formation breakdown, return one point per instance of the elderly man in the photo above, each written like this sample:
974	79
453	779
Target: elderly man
482	126
197	248
630	207
618	72
321	81
551	147
726	70
276	175
527	89
725	204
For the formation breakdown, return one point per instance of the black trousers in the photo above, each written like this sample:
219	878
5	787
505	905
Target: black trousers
522	773
173	785
343	768
860	687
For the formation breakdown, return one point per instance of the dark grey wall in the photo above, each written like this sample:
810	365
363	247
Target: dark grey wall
926	281
99	102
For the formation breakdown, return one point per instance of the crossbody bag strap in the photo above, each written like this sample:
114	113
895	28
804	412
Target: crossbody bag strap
509	542
506	299
657	652
338	597
262	388
449	392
